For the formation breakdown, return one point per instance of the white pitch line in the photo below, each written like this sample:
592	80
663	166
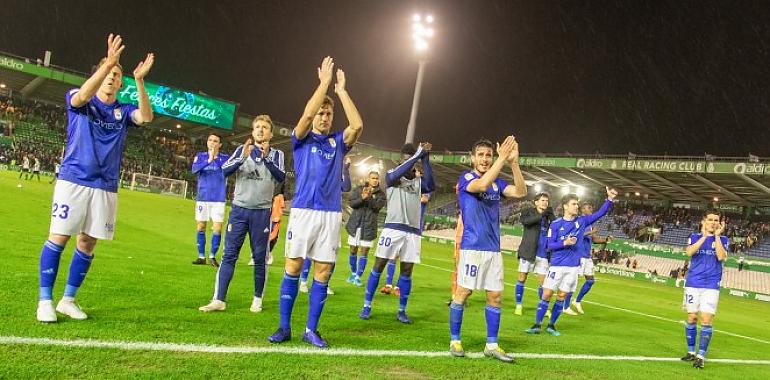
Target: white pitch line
634	312
185	347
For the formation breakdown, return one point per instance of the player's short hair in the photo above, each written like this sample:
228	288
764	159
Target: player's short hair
584	204
712	211
569	197
217	135
101	62
408	149
265	118
541	195
328	102
482	143
374	172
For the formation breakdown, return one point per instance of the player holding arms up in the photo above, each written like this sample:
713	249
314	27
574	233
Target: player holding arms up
562	275
707	250
85	197
313	231
402	231
210	201
480	263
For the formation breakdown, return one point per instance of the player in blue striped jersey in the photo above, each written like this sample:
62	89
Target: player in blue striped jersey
562	275
707	250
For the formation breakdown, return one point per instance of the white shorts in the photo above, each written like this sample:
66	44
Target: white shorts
540	266
480	270
313	234
700	300
561	278
355	241
395	243
586	267
80	209
210	210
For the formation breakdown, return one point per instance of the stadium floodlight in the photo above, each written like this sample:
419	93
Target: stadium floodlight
422	31
579	190
179	126
637	194
716	199
565	190
2	85
538	187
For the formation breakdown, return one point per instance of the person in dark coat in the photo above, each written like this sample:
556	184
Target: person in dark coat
366	201
532	250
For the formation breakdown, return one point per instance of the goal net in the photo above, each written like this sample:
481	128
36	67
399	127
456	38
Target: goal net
153	184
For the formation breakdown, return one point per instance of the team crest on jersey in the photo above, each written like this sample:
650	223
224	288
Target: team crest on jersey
332	142
468	177
118	115
494	187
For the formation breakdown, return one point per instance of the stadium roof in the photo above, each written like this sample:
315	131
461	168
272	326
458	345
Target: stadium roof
733	181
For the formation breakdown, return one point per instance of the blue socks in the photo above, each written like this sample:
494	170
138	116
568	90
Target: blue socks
455	320
519	292
705	339
216	238
492	315
391	272
542	307
558	307
567	300
202	244
584	290
49	267
371	287
317	301
352	259
78	270
289	289
405	284
690	330
305	270
540	292
361	265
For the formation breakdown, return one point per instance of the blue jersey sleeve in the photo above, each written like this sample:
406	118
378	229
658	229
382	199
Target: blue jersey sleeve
68	100
590	219
200	162
346	183
428	184
553	237
465	179
501	184
234	162
274	164
128	110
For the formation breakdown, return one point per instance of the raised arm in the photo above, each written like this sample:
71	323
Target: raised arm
91	85
720	247
519	187
143	115
237	158
480	185
199	164
428	184
305	122
275	165
355	123
611	194
393	175
530	217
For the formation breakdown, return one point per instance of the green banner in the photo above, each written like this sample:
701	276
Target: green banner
680	166
40	71
747	168
181	104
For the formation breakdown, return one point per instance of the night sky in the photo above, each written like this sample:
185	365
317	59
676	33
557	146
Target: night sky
650	77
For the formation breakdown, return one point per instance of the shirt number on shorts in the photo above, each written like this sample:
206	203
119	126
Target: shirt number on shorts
200	208
471	270
60	211
552	275
384	241
688	298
